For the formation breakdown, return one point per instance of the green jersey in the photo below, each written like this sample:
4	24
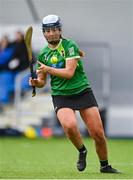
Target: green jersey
65	51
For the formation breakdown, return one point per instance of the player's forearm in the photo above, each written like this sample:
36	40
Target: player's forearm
64	72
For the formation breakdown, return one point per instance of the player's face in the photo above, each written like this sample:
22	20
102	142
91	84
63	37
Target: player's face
52	35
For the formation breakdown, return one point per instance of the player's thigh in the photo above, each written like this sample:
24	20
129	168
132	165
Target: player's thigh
67	117
92	119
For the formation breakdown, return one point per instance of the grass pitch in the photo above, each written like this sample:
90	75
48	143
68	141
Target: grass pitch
22	158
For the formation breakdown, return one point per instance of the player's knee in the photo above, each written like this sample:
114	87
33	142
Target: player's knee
98	136
70	127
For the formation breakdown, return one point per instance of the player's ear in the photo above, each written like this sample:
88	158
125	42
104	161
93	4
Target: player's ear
43	32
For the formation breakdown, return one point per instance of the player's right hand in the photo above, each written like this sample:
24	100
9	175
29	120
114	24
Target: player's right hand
33	82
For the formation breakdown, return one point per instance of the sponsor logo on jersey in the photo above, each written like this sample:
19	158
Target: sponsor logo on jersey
71	51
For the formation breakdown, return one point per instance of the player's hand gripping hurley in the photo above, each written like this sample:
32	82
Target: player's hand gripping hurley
28	39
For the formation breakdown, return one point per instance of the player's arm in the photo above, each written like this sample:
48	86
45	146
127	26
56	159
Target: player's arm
66	72
40	81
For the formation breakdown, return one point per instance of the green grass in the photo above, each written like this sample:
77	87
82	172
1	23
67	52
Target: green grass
22	158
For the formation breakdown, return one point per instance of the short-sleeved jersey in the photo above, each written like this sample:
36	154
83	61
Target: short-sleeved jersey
65	51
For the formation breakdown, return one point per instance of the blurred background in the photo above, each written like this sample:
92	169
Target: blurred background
103	29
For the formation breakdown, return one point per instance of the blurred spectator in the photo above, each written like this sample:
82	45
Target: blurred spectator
13	60
19	61
6	53
6	76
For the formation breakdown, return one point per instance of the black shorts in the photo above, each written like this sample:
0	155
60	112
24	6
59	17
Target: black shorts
84	99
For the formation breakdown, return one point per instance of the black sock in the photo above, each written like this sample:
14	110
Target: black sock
82	149
103	163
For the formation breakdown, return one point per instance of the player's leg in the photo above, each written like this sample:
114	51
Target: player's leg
92	119
68	121
93	122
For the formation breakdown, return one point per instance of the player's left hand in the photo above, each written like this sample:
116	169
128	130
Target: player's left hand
42	69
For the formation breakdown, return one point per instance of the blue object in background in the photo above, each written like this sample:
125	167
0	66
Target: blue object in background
6	86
